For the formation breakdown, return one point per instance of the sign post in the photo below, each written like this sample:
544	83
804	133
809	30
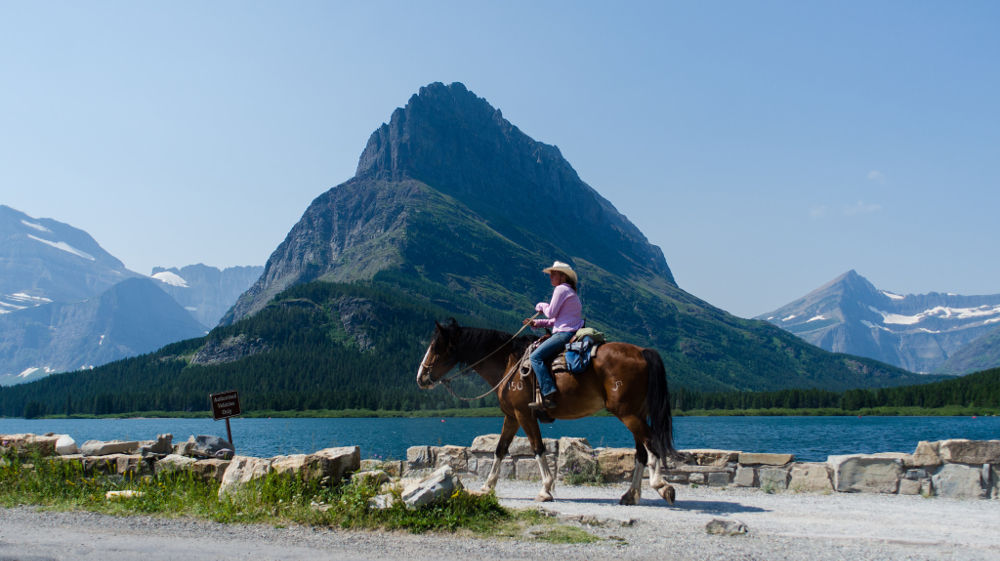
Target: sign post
224	406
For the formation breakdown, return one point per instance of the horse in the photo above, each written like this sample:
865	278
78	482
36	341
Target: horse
627	380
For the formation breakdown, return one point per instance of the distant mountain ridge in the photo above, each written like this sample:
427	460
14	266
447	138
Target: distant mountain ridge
206	292
67	304
916	332
44	260
130	318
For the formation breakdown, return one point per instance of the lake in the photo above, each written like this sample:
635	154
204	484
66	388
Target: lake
809	438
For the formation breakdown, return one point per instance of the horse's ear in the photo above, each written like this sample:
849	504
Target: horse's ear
438	326
452	323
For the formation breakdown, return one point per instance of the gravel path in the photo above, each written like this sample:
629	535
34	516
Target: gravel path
781	526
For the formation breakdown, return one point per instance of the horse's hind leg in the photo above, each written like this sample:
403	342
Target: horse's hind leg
634	493
510	426
538	447
658	482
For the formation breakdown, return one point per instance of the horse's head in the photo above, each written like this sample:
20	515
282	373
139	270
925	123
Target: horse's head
440	356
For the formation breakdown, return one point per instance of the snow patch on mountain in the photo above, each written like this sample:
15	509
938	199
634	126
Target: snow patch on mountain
942	312
819	317
892	295
65	247
38	227
789	318
173	279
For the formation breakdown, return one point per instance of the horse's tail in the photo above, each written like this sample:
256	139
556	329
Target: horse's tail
658	406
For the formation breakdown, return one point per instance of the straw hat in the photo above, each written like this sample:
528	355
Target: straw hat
562	268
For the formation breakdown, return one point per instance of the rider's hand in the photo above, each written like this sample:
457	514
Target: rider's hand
528	321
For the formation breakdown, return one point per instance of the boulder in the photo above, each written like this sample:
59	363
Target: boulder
868	473
710	456
995	481
206	446
212	469
909	486
810	477
724	527
485	444
373	477
242	470
745	477
773	478
66	446
575	456
455	456
763	459
293	464
124	494
526	469
958	481
616	464
333	463
172	463
163	445
419	457
975	452
521	446
436	487
926	455
506	467
27	443
717	479
102	448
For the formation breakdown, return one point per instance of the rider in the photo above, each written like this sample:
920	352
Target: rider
565	316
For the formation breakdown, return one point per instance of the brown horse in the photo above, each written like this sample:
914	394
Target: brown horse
628	381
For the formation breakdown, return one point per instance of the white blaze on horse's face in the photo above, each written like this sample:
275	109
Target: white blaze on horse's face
424	371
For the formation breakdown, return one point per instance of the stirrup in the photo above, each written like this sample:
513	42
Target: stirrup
542	404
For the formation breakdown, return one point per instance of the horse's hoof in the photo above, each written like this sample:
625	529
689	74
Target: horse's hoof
629	498
668	494
543	497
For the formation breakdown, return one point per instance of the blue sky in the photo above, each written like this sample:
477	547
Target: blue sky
766	147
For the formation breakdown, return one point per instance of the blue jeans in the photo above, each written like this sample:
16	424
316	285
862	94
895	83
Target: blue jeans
545	352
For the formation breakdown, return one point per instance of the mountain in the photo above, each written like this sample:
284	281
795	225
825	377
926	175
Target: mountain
450	199
918	332
453	211
980	354
43	261
130	318
206	292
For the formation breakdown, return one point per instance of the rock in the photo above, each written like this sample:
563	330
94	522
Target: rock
868	473
995	481
436	487
333	463
717	479
909	486
810	477
975	452
926	454
711	457
485	444
130	465
958	481
293	464
723	527
101	448
616	464
206	446
241	470
745	477
526	469
172	463
521	446
382	502
761	459
212	469
162	445
373	477
419	457
506	468
772	478
455	456
575	457
125	494
65	445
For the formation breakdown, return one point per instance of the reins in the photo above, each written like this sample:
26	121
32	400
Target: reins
445	381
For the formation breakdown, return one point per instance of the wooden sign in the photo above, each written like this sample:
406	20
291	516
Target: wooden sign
225	405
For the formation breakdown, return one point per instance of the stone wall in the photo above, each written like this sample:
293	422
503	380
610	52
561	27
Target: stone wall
948	468
957	468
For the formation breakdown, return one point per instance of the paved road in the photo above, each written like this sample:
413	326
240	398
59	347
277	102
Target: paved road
781	526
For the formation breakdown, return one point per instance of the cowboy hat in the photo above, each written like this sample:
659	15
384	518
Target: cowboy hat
563	268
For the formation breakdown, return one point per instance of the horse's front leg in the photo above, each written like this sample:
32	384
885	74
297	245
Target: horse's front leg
510	426
538	447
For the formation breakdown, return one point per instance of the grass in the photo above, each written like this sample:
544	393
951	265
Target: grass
278	499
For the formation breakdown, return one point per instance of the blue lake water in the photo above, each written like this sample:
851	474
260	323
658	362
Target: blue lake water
809	438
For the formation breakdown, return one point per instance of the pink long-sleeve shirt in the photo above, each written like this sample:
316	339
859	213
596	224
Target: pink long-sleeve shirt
564	312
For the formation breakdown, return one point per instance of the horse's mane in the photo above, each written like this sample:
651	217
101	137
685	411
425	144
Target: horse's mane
476	342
